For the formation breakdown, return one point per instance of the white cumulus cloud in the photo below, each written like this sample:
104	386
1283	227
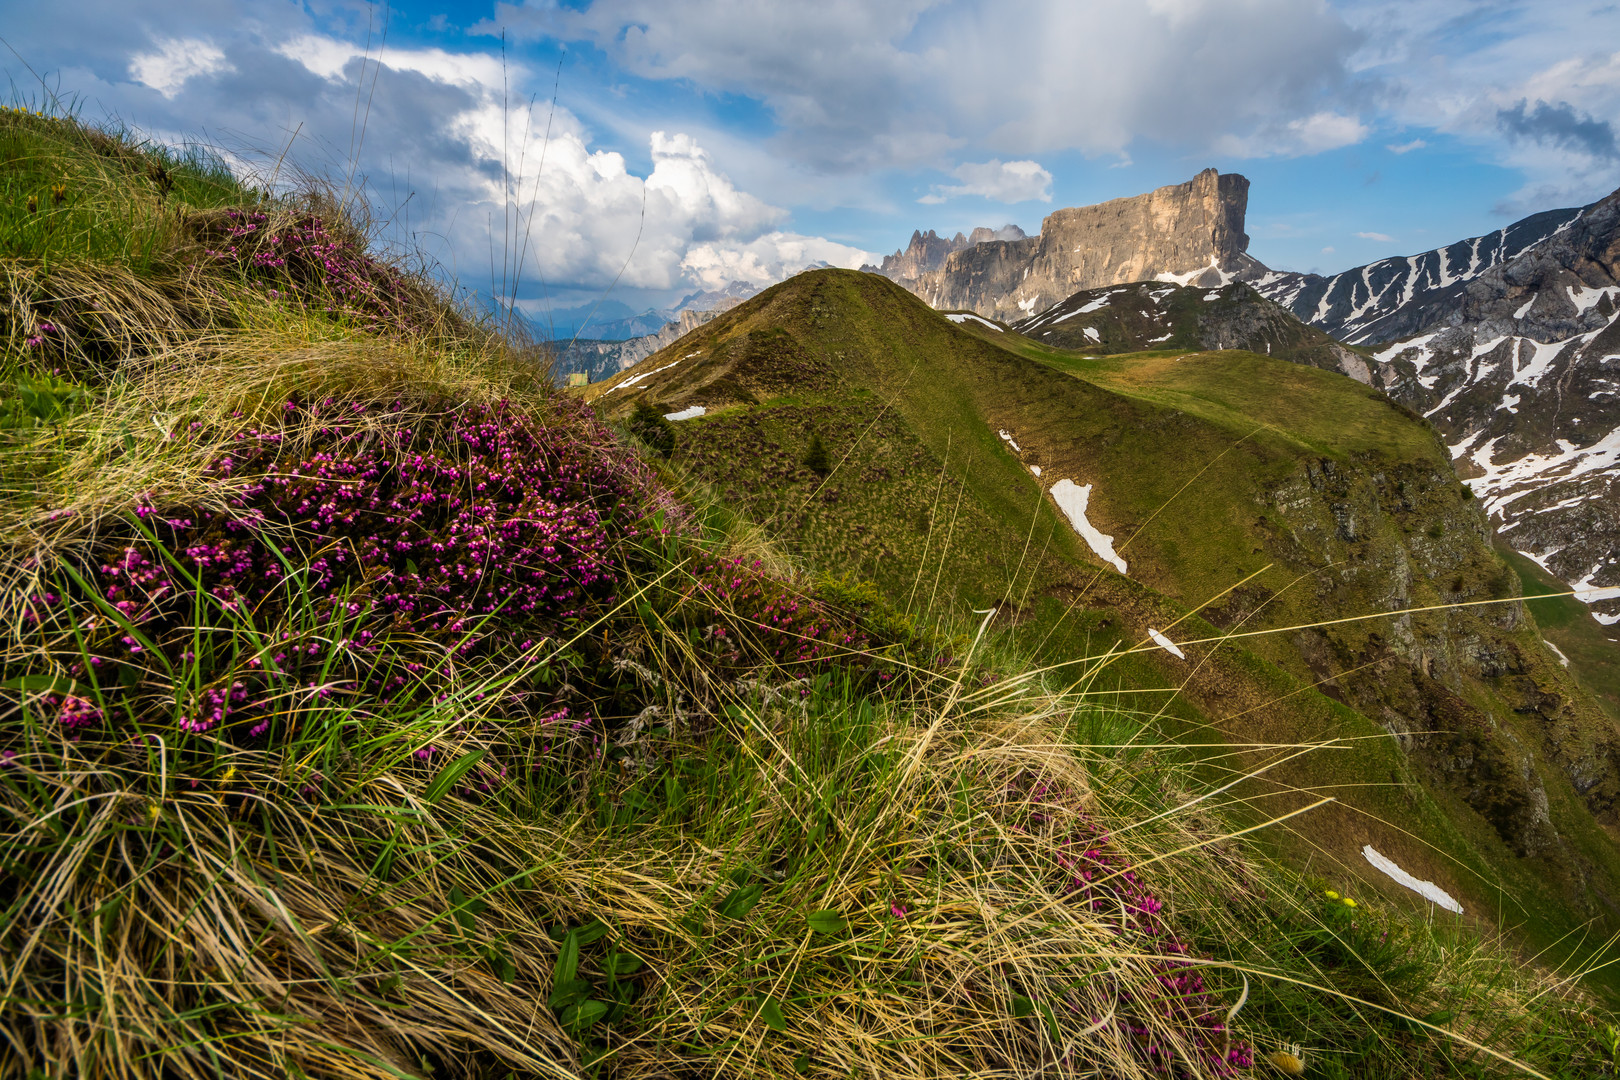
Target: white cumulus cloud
1298	137
1378	236
176	60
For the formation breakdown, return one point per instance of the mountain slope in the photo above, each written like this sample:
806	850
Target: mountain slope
1518	366
974	468
1394	298
1159	315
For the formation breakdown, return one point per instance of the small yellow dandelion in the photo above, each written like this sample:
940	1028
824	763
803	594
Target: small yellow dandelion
1349	902
1330	894
153	812
229	775
1290	1061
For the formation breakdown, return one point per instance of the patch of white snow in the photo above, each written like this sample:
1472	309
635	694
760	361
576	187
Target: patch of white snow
1091	332
1166	644
975	318
1072	499
632	380
1556	651
689	413
1426	889
1008	439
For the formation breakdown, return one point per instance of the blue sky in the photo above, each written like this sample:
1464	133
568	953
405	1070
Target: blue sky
698	142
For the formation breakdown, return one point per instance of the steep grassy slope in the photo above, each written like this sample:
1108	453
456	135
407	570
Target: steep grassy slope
1279	495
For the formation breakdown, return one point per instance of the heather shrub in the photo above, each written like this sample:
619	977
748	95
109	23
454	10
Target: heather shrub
376	559
307	261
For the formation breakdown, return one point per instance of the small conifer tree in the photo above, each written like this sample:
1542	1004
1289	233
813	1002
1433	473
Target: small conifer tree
816	459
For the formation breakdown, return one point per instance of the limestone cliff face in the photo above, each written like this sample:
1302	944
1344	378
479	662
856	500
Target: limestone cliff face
1190	233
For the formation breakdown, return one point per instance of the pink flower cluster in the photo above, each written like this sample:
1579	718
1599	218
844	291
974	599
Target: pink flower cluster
413	541
1090	873
305	262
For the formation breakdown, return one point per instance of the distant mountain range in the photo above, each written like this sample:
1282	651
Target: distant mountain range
613	320
1189	233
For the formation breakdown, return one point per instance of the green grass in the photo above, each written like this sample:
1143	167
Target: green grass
750	867
70	192
1208	471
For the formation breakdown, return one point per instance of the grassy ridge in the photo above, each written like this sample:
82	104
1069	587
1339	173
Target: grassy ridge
278	800
1208	471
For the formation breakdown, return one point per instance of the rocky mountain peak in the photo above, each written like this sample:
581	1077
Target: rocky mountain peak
1189	233
928	251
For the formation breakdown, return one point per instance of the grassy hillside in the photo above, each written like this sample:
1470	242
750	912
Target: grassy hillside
370	709
1265	494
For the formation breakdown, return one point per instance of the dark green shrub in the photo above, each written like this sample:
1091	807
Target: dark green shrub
816	458
649	425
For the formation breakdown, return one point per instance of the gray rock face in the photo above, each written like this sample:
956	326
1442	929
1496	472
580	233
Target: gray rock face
1518	365
928	251
1191	234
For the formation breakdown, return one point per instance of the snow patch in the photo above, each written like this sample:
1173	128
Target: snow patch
975	318
1028	306
1036	469
1426	889
690	413
1585	298
632	380
1556	651
1091	332
1166	644
1072	499
1008	439
1520	313
1587	593
1393	352
1192	275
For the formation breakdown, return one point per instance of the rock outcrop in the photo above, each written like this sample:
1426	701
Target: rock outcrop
1191	234
928	251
